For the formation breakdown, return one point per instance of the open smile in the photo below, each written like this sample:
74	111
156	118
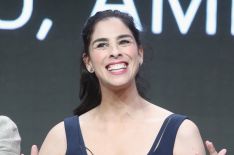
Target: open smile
117	68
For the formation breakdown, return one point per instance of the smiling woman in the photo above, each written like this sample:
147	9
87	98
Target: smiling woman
114	118
113	51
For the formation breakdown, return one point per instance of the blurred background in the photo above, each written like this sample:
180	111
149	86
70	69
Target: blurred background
188	65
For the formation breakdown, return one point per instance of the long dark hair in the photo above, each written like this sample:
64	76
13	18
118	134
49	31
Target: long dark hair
90	93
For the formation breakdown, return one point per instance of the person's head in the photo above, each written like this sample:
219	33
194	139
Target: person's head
112	47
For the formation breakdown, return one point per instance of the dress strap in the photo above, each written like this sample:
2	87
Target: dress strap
164	143
75	142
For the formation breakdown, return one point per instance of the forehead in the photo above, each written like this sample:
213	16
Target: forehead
110	28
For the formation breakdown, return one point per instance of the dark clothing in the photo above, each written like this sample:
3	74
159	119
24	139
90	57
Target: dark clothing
163	144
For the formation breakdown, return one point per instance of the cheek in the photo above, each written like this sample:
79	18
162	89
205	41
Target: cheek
97	59
133	52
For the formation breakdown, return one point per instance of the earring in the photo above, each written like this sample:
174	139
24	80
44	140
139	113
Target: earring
91	70
140	63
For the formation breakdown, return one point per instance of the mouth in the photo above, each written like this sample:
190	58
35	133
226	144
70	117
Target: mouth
116	67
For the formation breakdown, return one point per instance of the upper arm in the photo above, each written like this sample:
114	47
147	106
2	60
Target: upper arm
188	140
9	136
55	141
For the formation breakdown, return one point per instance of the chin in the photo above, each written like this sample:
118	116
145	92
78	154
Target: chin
120	85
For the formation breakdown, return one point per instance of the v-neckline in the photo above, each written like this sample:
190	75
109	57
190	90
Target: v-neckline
154	145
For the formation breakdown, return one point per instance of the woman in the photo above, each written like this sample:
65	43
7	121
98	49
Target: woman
113	117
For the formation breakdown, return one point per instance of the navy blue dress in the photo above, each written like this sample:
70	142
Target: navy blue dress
163	144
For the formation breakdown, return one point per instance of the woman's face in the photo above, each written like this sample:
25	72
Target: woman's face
113	54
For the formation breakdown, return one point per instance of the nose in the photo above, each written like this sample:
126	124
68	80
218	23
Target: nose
115	52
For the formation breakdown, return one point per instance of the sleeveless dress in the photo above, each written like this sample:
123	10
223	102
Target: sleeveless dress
163	144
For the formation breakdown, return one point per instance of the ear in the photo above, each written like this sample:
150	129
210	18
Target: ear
141	55
87	62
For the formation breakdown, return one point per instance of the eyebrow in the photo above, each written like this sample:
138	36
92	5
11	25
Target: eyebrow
105	39
125	36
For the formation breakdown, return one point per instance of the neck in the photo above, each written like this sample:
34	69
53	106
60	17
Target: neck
120	104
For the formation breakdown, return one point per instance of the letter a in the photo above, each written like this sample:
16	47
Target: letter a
127	7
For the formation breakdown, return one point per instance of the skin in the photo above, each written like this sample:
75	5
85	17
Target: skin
212	150
123	117
209	145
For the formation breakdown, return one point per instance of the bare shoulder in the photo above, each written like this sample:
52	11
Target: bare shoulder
157	111
188	140
55	141
188	128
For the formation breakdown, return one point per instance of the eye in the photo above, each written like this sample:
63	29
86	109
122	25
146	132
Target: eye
124	42
101	45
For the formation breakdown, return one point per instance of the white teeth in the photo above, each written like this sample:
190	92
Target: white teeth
116	66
